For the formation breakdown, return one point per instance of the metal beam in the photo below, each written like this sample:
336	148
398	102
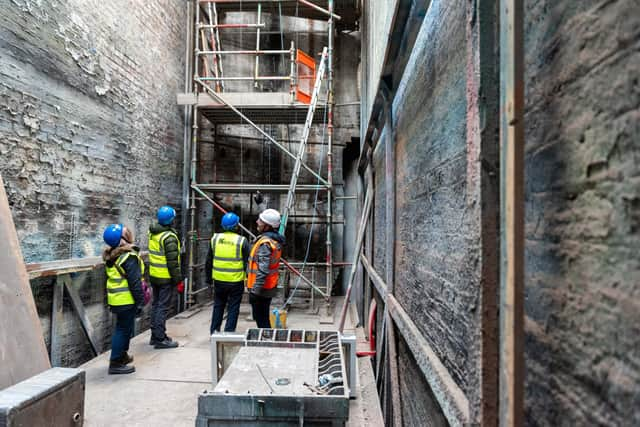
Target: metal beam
218	97
250	188
511	213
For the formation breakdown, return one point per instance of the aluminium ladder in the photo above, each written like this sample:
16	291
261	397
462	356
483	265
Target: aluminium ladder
303	143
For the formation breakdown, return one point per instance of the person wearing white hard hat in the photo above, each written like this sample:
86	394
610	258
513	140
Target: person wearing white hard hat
264	263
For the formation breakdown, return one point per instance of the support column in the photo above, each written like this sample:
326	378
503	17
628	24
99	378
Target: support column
511	213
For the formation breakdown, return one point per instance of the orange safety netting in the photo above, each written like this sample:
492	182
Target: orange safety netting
306	71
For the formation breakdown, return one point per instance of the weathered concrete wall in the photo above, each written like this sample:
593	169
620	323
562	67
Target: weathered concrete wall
582	212
89	126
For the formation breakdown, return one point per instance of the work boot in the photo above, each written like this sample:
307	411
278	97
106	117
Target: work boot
153	341
116	368
167	343
126	358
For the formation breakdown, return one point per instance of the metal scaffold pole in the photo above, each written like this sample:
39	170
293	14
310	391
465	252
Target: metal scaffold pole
194	163
330	159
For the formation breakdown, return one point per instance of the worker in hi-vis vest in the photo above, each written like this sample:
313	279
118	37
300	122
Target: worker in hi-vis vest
164	274
226	268
264	262
125	296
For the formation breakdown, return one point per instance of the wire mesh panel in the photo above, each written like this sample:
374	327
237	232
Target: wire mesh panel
306	71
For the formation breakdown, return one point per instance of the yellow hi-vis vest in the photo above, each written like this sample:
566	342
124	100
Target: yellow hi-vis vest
118	292
227	257
157	258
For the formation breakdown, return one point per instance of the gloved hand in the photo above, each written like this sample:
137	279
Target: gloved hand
139	312
180	287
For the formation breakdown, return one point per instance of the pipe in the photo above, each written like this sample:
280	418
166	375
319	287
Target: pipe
329	242
255	71
186	146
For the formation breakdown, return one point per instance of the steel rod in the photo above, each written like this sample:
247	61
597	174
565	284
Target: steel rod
259	187
329	242
319	9
223	26
218	97
250	233
242	78
242	52
255	71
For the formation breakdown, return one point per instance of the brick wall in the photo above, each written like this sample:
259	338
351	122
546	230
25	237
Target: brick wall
90	133
89	120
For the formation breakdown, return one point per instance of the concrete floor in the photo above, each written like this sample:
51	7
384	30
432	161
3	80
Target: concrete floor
163	391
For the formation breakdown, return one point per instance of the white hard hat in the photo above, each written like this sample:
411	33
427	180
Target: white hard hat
270	217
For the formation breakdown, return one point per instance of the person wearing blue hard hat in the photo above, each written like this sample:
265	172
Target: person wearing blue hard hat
125	294
164	274
226	267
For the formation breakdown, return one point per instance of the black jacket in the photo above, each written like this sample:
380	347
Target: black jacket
208	267
131	271
172	254
263	256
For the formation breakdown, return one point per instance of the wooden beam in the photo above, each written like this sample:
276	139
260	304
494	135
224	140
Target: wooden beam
60	267
357	251
77	305
511	213
483	197
22	349
57	318
394	378
449	395
378	282
66	266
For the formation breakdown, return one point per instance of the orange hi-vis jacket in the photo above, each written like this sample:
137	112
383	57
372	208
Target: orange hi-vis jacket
271	281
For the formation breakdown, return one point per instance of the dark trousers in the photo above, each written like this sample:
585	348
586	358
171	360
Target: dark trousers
159	310
260	310
229	295
125	321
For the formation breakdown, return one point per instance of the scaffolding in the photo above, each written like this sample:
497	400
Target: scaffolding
208	97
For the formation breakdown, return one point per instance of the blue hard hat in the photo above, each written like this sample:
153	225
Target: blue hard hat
112	235
166	214
230	220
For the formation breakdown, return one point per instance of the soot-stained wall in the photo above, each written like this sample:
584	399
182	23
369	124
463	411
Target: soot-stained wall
90	132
